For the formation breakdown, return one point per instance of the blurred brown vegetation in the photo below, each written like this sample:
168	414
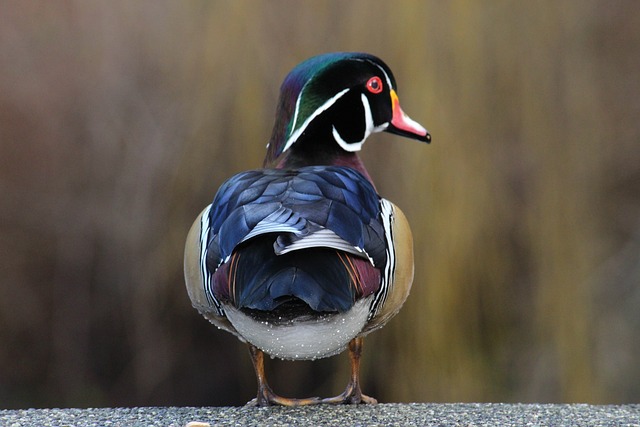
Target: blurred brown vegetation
119	120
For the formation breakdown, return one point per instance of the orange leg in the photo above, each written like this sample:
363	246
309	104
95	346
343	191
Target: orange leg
266	396
353	393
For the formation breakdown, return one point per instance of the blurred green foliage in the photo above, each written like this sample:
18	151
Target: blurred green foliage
119	120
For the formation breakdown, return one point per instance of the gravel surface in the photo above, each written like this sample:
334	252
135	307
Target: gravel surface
416	414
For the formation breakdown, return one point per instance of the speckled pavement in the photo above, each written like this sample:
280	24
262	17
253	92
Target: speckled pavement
416	414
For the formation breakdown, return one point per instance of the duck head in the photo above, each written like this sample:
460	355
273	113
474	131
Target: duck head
329	105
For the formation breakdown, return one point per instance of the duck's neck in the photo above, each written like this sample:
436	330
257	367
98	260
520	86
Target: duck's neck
322	151
351	160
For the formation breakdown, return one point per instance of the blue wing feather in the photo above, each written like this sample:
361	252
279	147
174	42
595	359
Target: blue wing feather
293	204
337	198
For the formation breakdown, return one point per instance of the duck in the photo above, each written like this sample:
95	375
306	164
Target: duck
302	258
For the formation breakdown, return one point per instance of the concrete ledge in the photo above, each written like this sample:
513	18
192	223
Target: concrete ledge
415	414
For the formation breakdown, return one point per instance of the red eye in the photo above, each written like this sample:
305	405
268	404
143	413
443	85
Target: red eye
374	85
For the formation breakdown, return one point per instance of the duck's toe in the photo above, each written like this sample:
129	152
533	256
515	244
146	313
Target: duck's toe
266	397
351	395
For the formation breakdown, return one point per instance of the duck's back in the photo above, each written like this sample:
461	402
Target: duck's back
313	234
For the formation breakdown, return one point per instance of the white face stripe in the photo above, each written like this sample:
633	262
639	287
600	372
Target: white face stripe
369	128
351	147
295	135
295	114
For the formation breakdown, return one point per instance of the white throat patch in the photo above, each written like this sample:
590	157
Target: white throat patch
369	128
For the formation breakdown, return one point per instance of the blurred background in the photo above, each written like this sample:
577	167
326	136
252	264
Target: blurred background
119	120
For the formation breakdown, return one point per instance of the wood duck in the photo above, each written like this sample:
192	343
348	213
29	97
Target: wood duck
303	258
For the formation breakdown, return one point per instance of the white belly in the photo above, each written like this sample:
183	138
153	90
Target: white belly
302	339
